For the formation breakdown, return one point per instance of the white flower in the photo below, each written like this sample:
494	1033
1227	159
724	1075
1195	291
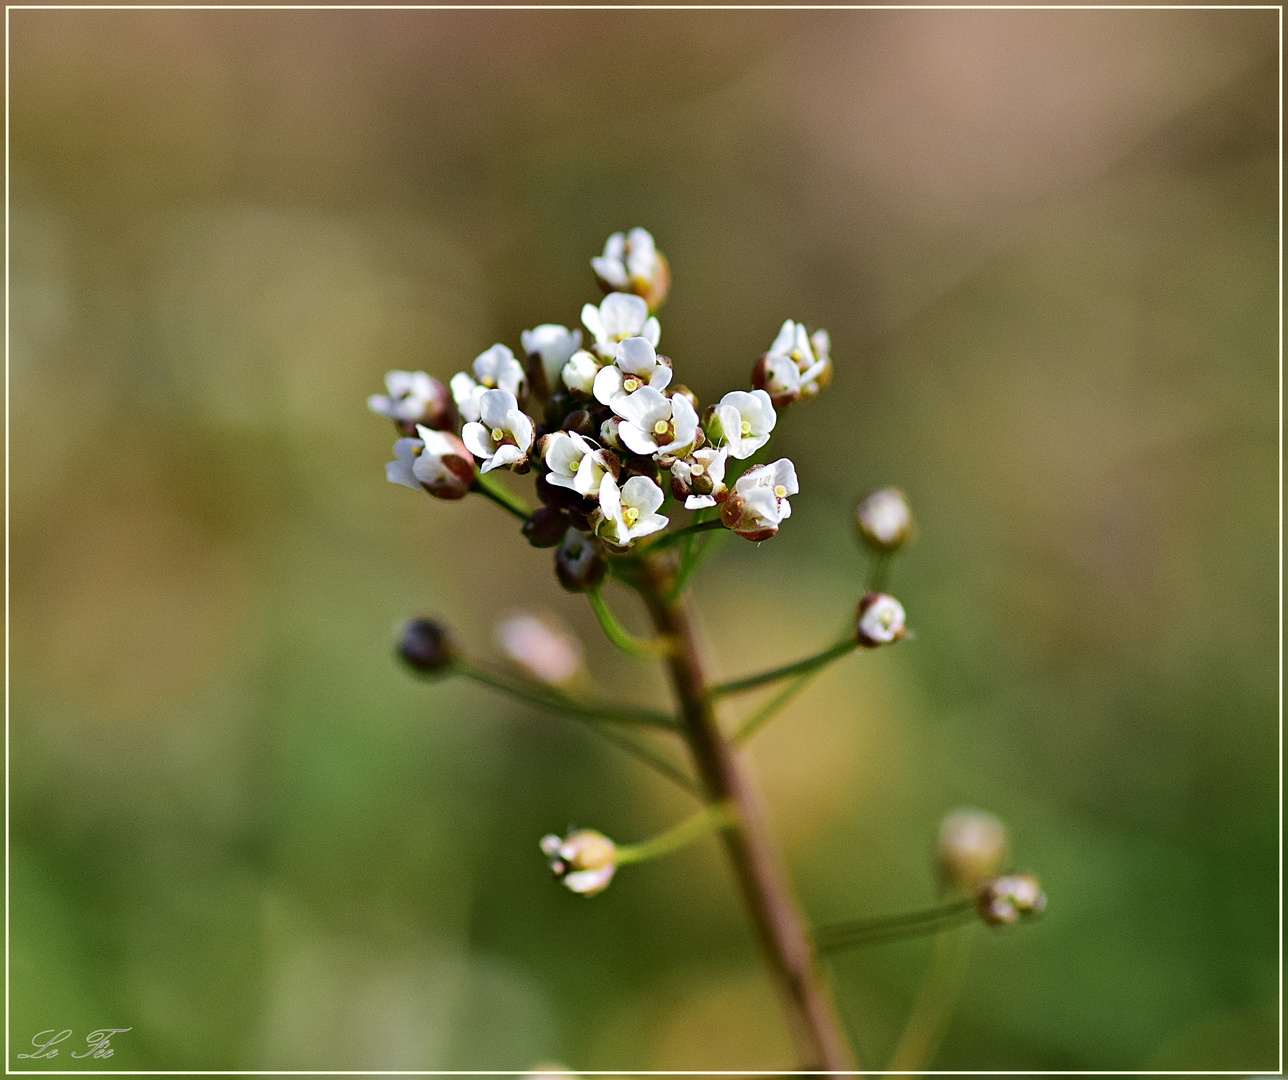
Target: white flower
619	316
413	398
1007	899
629	512
584	861
653	424
881	620
576	463
699	479
548	653
796	365
437	462
884	519
743	421
632	263
494	369
505	434
553	345
636	364
580	371
758	504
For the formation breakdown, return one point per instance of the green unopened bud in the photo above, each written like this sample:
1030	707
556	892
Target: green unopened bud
427	645
972	846
884	520
1010	898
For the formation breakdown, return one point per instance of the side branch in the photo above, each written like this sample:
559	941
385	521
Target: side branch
557	701
644	648
801	667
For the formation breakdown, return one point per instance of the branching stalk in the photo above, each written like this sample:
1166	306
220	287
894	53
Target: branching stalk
936	1001
854	933
801	667
645	648
784	939
771	708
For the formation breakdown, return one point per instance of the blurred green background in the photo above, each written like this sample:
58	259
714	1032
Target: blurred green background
1044	244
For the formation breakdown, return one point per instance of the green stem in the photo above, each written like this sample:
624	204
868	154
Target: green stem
486	486
709	819
690	563
800	667
557	701
880	572
670	538
770	708
936	1001
643	750
853	933
646	648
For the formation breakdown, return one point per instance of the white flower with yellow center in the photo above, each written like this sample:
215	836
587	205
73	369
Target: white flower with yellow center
758	504
437	462
574	462
619	316
495	369
504	436
552	346
655	425
699	478
629	512
413	398
881	620
632	263
637	364
743	422
796	365
584	861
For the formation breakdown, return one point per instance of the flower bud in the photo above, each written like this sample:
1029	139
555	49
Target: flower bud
682	390
427	645
578	566
546	527
884	519
548	653
1008	899
579	373
632	263
580	422
584	861
972	845
554	495
880	620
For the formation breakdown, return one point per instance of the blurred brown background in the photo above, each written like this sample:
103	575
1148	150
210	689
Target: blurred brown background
1044	243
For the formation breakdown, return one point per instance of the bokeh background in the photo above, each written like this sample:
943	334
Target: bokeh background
1044	243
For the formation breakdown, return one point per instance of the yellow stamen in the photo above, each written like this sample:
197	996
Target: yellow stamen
497	434
780	491
746	427
630	385
696	470
659	428
489	382
631	515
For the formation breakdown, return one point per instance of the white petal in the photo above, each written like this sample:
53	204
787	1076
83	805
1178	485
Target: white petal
593	323
698	502
562	456
495	406
636	439
608	384
478	440
643	494
647	524
623	315
661	377
589	882
644	408
505	455
685	419
519	424
785	474
636	356
652	330
381	405
615	246
611	271
399	471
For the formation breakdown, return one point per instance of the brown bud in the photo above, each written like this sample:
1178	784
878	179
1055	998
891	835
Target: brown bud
546	527
427	645
684	392
578	565
554	495
581	422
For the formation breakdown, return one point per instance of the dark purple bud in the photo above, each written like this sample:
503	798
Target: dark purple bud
578	565
546	527
427	645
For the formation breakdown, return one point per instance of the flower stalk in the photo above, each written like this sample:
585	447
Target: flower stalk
507	500
709	819
644	648
807	666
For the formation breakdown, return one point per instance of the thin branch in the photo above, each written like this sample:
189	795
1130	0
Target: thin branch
708	819
486	486
690	562
645	648
639	747
667	539
557	701
854	933
801	667
936	1001
770	708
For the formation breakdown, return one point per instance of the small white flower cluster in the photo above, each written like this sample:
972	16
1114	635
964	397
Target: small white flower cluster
608	432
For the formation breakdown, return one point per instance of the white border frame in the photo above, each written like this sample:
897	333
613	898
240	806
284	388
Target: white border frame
640	7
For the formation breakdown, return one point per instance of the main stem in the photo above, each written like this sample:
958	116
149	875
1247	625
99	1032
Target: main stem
766	890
